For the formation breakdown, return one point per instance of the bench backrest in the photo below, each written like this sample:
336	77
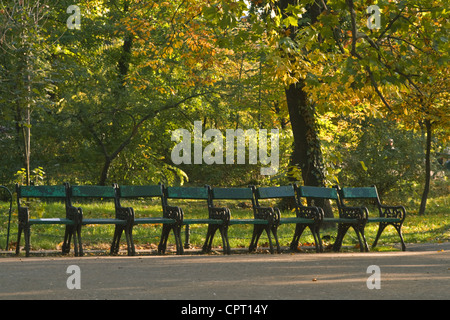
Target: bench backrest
92	192
200	193
140	191
41	191
275	192
232	193
281	192
359	193
317	192
58	192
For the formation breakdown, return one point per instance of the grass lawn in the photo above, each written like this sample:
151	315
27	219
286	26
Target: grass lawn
433	227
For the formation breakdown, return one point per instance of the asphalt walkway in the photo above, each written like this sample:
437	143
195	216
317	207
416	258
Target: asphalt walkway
422	272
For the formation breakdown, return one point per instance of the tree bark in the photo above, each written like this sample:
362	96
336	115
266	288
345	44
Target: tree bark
307	154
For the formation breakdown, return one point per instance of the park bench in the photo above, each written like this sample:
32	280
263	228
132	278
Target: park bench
387	215
123	220
310	217
171	219
225	213
71	221
195	193
354	217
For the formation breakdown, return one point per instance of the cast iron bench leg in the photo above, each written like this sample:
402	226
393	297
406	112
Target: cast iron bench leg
299	228
130	244
362	245
363	237
274	229
397	226
19	234
212	228
179	243
116	239
342	230
226	243
257	230
26	233
80	246
67	239
317	240
164	236
399	231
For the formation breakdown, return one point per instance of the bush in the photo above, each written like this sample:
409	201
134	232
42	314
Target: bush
384	154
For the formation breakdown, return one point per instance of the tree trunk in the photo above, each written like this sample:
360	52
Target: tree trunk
426	189
105	170
307	154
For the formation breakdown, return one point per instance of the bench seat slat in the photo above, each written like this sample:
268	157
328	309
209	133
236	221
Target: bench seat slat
340	220
387	220
51	221
154	220
202	221
103	221
248	221
296	220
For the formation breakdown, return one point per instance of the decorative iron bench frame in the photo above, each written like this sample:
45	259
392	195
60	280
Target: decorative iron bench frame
355	217
387	215
171	219
258	221
195	193
123	219
310	217
72	221
265	218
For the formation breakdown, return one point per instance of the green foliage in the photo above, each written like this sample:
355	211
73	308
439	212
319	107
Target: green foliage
36	177
104	99
384	155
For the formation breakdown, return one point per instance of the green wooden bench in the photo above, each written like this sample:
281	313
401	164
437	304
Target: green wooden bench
171	219
271	214
354	217
123	220
225	213
71	221
305	217
387	215
194	193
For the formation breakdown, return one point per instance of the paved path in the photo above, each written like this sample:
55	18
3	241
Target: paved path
423	272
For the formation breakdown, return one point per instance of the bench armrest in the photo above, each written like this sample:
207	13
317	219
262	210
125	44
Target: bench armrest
74	213
272	215
23	215
398	212
314	213
358	213
125	213
174	212
220	213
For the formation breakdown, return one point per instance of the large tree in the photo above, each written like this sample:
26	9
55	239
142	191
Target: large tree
398	70
133	61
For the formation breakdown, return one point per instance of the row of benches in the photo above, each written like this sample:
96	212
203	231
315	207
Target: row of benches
265	218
